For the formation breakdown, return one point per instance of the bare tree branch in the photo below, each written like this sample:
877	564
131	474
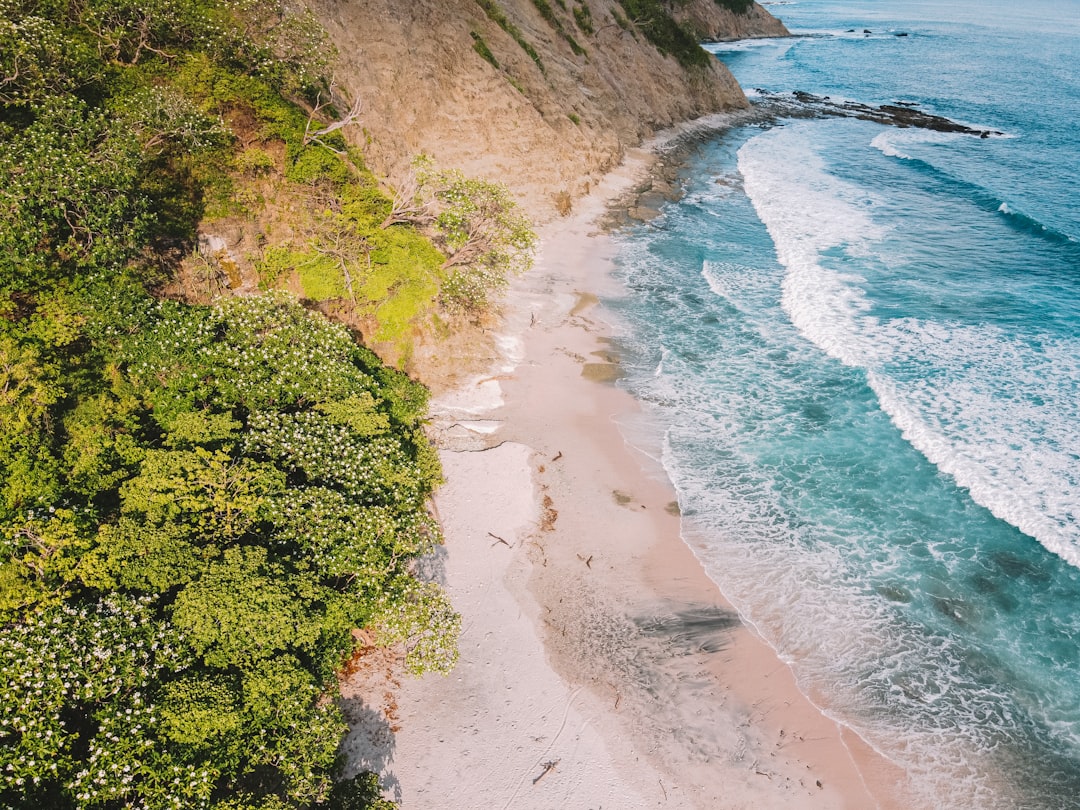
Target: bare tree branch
314	135
409	204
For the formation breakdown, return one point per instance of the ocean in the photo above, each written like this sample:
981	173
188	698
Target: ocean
858	351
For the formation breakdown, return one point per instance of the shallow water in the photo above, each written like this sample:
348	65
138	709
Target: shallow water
858	348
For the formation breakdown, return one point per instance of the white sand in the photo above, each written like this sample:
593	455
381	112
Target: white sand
599	665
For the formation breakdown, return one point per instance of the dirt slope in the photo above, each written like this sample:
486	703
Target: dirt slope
548	127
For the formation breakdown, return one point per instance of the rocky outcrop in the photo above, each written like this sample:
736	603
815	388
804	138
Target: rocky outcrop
902	114
715	23
544	103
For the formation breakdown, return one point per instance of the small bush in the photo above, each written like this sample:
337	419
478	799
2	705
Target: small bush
665	33
359	793
309	165
737	6
321	278
583	18
255	161
564	204
482	48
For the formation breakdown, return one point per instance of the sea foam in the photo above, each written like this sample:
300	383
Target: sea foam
995	411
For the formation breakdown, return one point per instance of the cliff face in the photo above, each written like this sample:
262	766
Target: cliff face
711	22
552	109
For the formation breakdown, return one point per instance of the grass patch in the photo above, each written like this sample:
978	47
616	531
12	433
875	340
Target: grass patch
482	48
665	33
548	13
496	15
583	18
737	6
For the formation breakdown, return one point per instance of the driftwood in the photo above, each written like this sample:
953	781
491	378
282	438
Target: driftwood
549	766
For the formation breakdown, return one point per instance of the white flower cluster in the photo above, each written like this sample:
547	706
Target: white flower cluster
366	544
67	671
257	352
371	470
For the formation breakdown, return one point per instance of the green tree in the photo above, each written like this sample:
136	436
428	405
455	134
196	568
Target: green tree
38	56
483	232
68	196
198	504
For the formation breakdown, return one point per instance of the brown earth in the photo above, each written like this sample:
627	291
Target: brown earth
711	22
548	133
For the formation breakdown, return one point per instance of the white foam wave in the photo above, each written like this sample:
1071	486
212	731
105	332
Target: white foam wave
481	396
996	413
847	642
807	212
511	351
895	142
999	416
807	594
782	45
745	288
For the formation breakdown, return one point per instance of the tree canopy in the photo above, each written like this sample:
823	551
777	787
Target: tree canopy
199	503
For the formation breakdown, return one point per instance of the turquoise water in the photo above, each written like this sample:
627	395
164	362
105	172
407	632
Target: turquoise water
859	347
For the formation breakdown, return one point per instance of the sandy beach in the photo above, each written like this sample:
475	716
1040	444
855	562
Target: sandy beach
600	667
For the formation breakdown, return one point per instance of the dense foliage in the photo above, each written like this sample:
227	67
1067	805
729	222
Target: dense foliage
737	6
213	506
653	19
198	503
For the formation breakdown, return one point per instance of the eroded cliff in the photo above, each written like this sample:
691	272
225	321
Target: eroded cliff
544	97
711	21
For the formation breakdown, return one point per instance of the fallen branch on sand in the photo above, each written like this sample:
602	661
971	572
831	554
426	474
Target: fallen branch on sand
498	540
548	767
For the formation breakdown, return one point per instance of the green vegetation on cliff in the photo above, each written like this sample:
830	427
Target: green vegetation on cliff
202	501
736	6
653	19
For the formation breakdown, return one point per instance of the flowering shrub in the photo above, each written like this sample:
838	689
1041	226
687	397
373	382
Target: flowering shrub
75	716
172	635
357	548
198	505
487	238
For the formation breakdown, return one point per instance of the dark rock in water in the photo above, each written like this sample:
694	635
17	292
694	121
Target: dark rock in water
1016	567
949	607
800	104
642	214
901	34
652	200
867	31
895	593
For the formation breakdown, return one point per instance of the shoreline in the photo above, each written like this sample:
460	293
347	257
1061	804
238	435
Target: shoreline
600	666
